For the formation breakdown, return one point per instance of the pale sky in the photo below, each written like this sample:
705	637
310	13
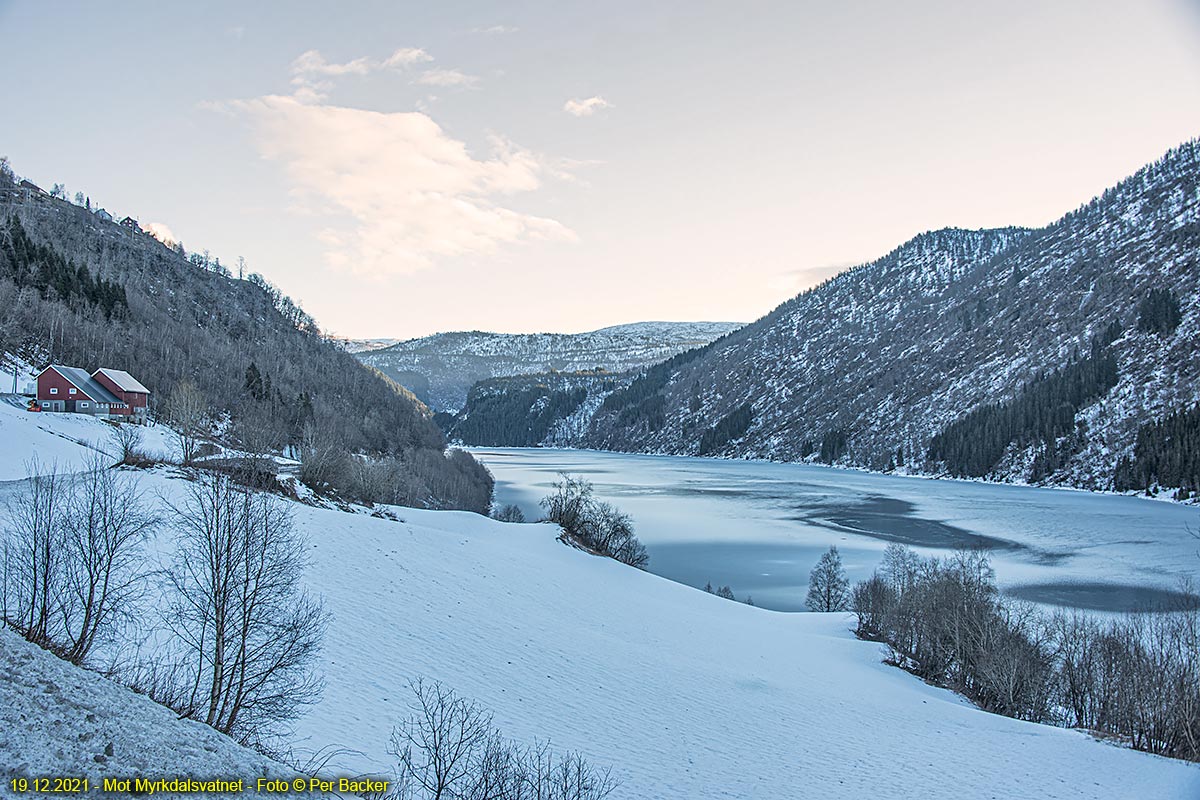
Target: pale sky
405	168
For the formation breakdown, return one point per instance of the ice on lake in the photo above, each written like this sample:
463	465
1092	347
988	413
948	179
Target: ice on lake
760	527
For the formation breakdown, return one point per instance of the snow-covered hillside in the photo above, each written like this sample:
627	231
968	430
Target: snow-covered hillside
57	720
68	440
681	693
440	369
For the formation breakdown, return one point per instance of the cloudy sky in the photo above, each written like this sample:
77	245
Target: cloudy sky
404	168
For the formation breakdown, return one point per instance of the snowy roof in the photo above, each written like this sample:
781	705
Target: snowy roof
86	383
124	381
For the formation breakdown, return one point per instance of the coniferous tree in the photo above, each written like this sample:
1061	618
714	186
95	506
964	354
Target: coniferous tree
1159	312
828	586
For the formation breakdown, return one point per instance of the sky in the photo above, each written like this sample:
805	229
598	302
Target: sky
407	168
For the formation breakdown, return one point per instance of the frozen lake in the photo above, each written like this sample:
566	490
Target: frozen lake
760	527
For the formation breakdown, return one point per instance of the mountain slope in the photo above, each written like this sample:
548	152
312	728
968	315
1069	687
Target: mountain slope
440	369
869	367
79	290
530	410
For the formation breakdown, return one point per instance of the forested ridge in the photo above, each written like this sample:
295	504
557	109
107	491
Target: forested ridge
1166	453
441	369
79	290
529	410
1040	414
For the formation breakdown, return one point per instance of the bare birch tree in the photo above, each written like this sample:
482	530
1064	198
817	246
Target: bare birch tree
186	409
248	629
33	555
104	527
73	558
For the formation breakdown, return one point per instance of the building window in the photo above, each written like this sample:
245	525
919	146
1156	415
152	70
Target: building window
83	404
53	390
46	404
70	391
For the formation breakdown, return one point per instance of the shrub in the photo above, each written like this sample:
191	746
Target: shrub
1135	677
449	748
509	513
593	524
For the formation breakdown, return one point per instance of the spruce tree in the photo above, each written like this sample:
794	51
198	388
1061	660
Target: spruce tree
828	586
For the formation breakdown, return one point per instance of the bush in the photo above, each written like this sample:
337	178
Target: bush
509	513
450	748
1136	677
593	524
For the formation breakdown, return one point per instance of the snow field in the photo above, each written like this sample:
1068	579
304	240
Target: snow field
683	694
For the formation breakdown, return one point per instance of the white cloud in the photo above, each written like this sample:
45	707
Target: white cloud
311	71
410	193
585	108
406	57
446	77
495	30
160	231
313	63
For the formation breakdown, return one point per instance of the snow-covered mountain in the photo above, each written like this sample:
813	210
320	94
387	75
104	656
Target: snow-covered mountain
441	369
362	345
1020	354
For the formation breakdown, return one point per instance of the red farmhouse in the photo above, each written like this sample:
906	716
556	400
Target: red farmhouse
105	393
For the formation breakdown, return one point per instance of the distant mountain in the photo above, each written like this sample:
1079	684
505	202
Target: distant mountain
441	369
362	345
1063	355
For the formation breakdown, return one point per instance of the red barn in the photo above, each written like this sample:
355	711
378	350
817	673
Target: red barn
107	392
126	387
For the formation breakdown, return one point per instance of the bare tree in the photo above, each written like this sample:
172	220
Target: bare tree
440	747
323	462
127	440
103	530
449	748
72	558
186	409
828	587
33	555
900	566
249	631
569	504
